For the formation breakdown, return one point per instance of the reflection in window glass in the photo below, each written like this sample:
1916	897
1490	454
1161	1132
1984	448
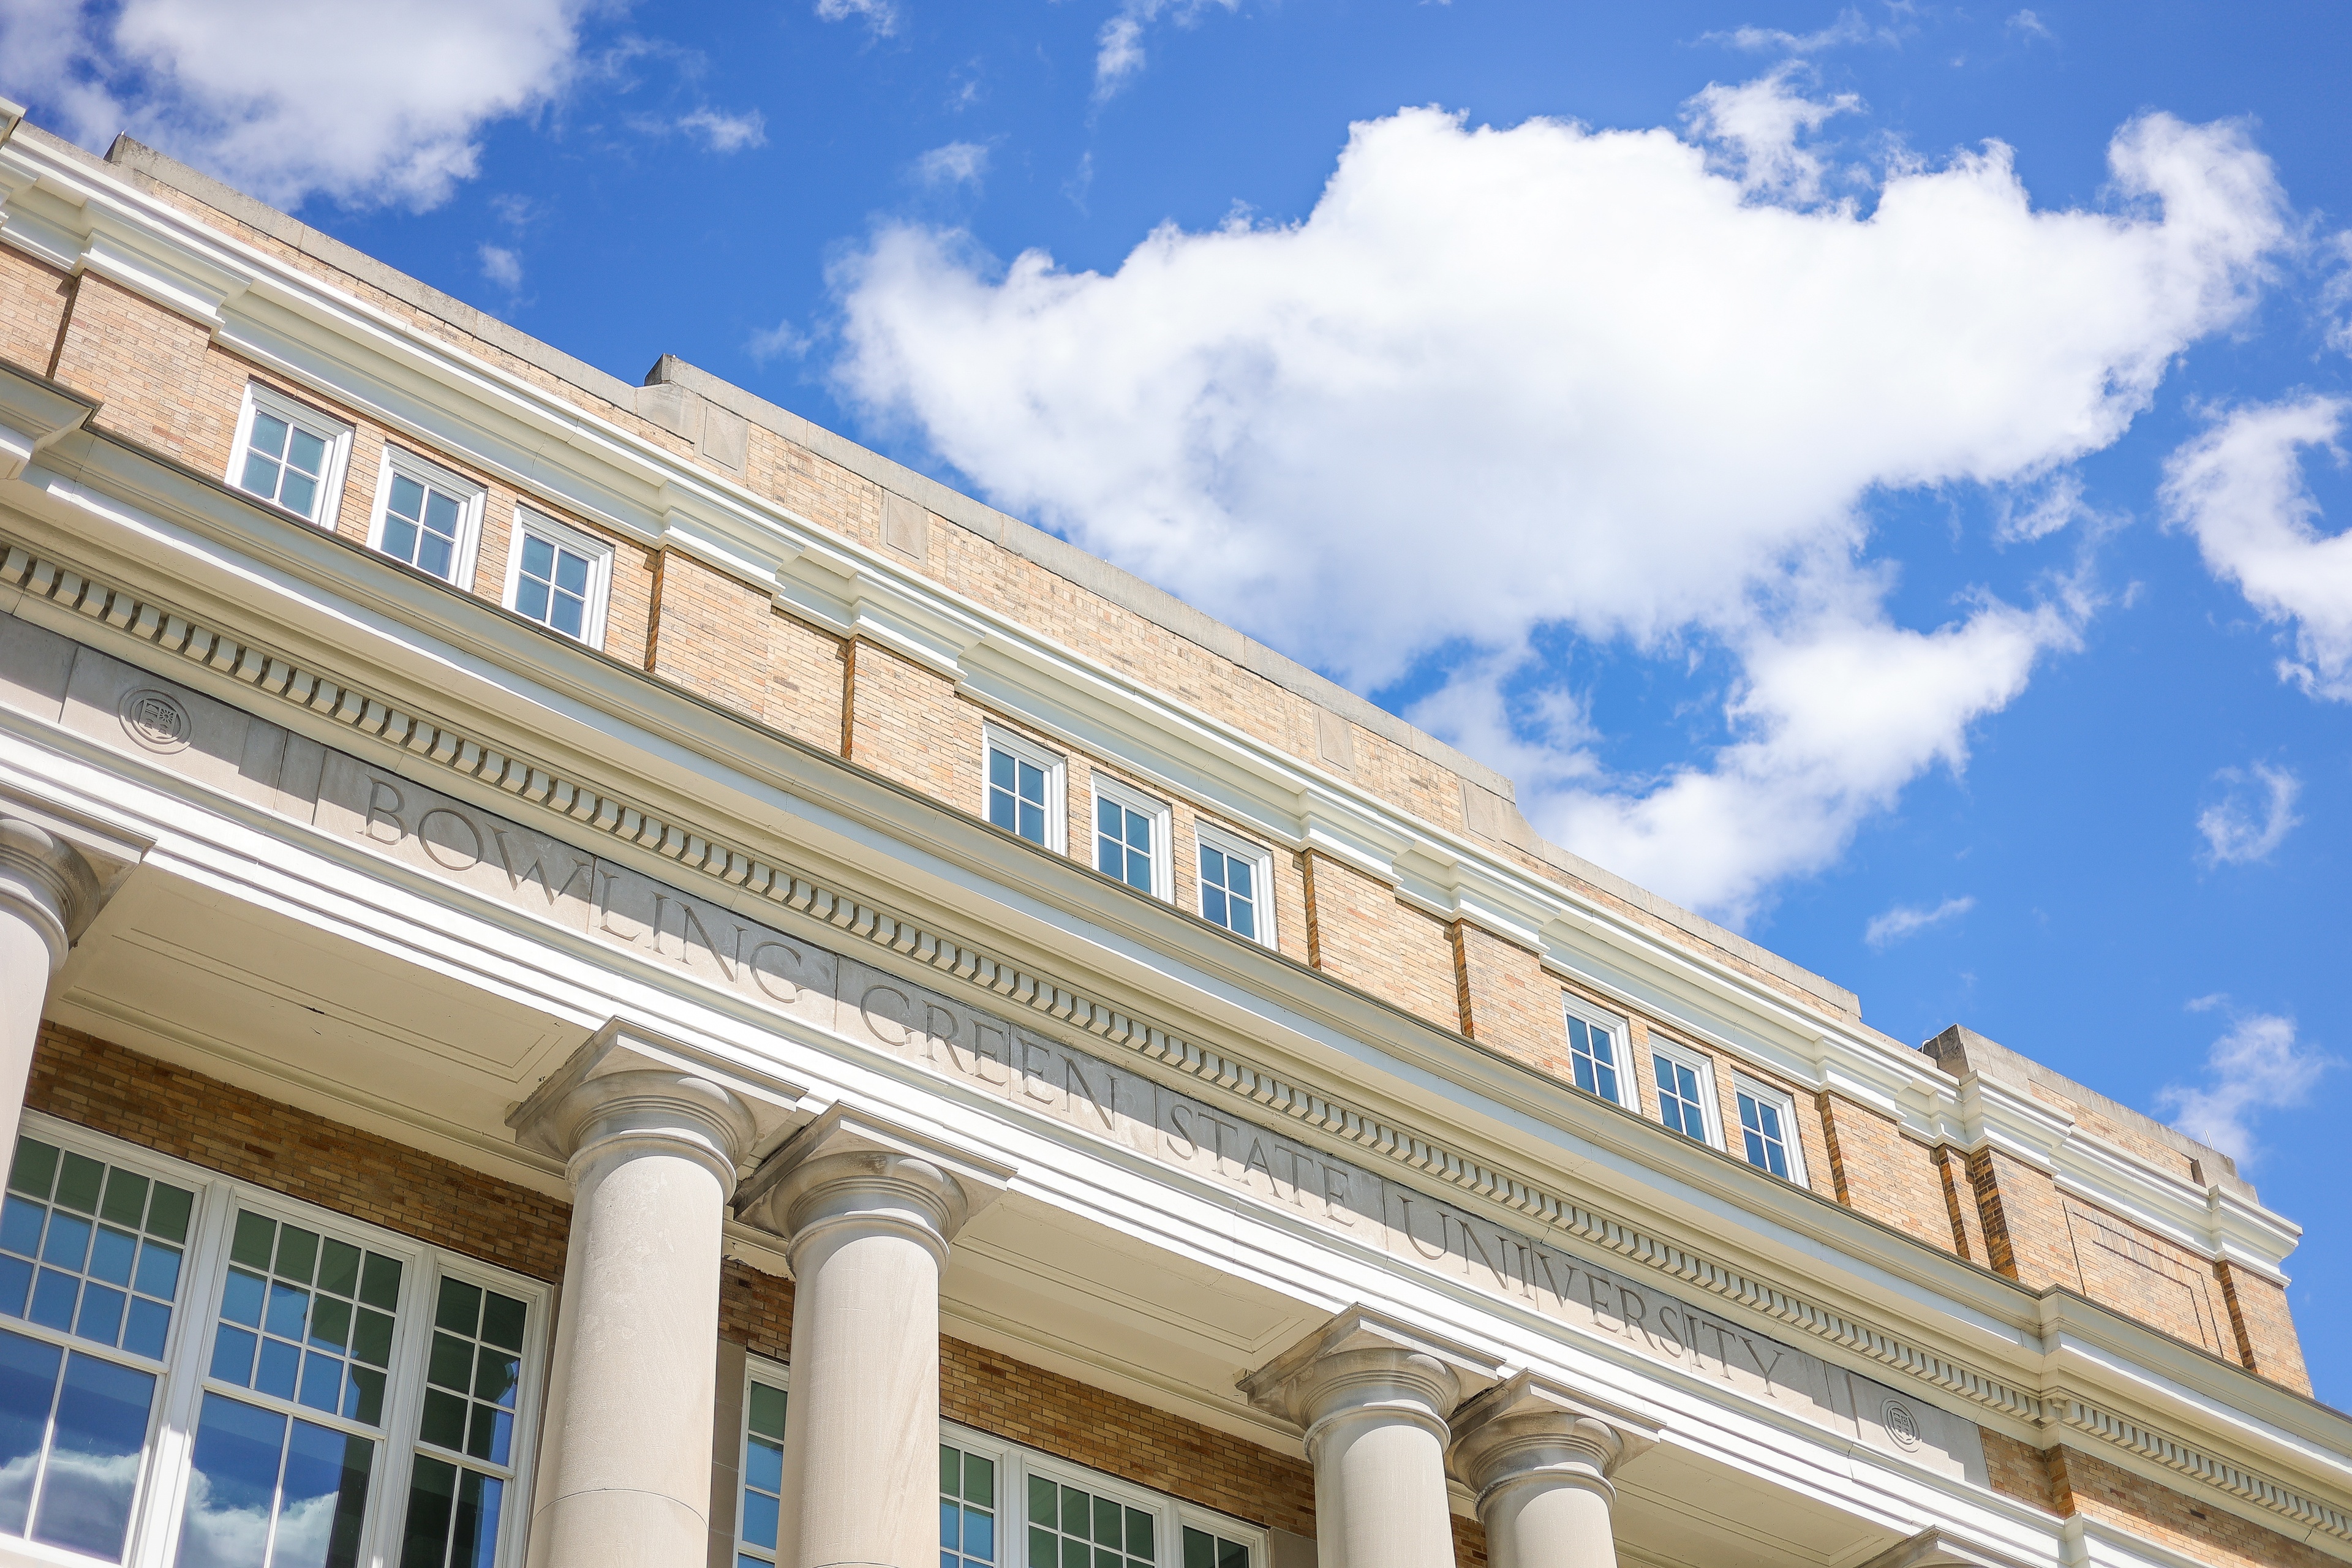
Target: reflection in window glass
1069	1528
266	1490
1762	1129
1123	843
91	1249
763	1477
1594	1052
1229	891
420	525
284	463
72	1430
1203	1550
472	1376
307	1318
552	585
1016	794
967	1509
1678	1102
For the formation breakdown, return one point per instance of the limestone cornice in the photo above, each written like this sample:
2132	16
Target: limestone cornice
2017	1396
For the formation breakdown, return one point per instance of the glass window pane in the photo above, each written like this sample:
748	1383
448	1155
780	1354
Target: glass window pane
979	1535
380	1281
167	1212
1107	1522
125	1200
759	1518
763	1465
338	1268
473	1541
767	1410
1042	1495
299	494
110	1254
1045	1551
571	571
1232	1554
980	1480
459	1310
323	1500
34	1169
268	434
432	1503
1200	1548
231	1484
28	1382
256	1239
1138	1534
307	452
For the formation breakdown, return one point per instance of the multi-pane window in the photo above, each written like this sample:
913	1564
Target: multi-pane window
295	1375
1070	1527
472	1378
556	575
288	454
1233	890
1768	1131
1680	1084
1023	789
1131	835
1003	1505
91	1263
426	516
1205	1549
1123	843
1592	1051
763	1476
967	1508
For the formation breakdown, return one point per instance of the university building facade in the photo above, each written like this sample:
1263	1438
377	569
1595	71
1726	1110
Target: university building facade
595	975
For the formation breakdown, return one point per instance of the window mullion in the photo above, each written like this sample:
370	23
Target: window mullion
155	1528
403	1398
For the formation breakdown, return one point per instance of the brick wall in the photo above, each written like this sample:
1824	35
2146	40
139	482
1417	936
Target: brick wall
712	635
161	384
32	309
906	722
2084	1484
1358	932
807	672
80	1078
2264	1329
2024	1224
1507	1001
1876	1171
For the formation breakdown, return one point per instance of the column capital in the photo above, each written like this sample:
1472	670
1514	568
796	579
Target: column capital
849	1169
628	1087
1364	1362
45	882
1528	1428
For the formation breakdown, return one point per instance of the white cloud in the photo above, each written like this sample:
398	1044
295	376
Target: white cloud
881	15
290	99
782	341
502	267
1849	28
2258	1066
1505	380
1119	47
2027	25
956	163
1907	919
1758	125
2253	819
2239	488
726	132
2039	507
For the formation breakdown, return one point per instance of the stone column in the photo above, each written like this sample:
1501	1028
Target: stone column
47	895
1373	1394
651	1151
1540	1459
866	1212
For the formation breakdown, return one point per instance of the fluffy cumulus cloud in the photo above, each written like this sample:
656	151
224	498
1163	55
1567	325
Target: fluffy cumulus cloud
1501	384
2253	816
2239	490
2260	1065
289	100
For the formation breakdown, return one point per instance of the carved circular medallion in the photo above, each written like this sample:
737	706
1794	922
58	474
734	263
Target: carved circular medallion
1901	1424
156	720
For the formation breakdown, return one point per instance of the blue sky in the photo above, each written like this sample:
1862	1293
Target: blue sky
1869	474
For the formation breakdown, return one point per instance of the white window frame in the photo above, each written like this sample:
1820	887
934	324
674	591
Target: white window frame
332	431
161	1489
1056	770
1129	798
1709	1112
599	554
1621	1038
1261	863
1790	1143
1014	1465
425	471
776	1376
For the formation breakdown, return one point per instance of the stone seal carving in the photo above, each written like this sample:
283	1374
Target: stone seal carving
156	720
1901	1424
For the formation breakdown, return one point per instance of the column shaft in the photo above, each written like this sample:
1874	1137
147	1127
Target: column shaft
625	1471
47	893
